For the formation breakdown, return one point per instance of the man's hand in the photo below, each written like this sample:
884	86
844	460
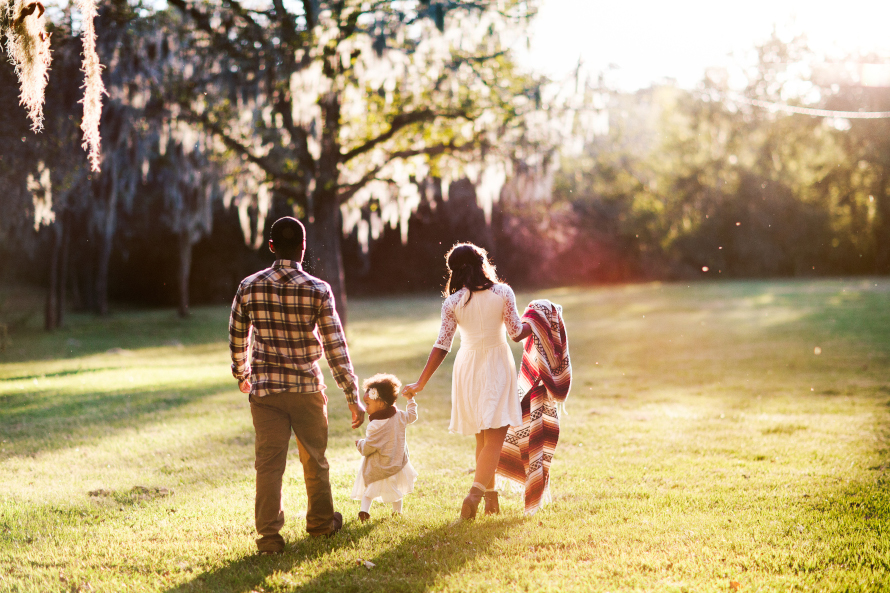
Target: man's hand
244	386
358	414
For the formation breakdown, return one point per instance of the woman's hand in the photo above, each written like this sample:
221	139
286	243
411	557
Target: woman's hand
409	391
526	332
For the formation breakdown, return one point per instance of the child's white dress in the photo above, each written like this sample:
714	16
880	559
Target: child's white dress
483	383
385	473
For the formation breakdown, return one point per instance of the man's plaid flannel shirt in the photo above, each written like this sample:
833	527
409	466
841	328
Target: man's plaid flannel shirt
283	311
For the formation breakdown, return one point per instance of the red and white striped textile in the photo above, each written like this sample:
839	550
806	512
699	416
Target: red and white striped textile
545	377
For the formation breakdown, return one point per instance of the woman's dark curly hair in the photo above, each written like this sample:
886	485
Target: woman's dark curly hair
468	267
387	386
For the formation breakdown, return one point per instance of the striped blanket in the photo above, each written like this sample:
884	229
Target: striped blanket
545	378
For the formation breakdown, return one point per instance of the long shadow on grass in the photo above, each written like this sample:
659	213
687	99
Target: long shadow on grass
86	335
61	421
413	564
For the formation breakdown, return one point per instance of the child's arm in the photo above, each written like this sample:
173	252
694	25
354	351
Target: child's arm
369	444
411	409
364	447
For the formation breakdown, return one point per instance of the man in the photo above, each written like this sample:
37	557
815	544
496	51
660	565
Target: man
282	312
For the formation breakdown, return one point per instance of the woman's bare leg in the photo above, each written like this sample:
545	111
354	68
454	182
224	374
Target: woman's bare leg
488	452
480	444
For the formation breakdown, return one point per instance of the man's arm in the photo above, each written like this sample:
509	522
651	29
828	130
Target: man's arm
239	342
337	354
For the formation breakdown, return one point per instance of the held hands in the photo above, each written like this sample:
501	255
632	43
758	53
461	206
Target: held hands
358	414
409	391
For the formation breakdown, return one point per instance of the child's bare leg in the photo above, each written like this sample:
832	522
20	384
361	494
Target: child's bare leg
366	504
397	507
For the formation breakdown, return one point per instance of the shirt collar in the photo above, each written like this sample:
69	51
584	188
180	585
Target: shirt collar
287	263
389	412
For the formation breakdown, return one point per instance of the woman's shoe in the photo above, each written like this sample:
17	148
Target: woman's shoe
471	503
492	507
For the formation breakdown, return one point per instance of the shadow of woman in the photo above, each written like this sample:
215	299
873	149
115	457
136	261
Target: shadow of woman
414	563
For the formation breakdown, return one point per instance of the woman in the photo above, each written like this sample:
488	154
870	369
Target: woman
484	396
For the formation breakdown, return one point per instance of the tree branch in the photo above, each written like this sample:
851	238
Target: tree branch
399	122
347	191
239	148
309	10
202	21
245	14
283	105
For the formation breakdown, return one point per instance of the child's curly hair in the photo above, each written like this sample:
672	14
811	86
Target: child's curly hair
387	386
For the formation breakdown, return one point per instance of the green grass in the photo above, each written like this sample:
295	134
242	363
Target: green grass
705	443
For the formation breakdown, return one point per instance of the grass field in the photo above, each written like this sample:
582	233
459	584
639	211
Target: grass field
719	437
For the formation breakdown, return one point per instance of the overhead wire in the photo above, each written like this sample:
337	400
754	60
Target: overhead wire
784	107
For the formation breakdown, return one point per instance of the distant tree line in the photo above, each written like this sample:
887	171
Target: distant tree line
682	183
715	183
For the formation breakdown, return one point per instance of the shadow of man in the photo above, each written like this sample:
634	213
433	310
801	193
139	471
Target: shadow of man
413	564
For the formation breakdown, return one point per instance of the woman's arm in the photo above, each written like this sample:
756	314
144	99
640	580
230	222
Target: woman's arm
440	349
516	329
432	363
526	332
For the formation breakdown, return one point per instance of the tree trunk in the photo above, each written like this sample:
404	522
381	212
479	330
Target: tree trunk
109	226
326	249
325	224
882	236
102	276
185	270
63	269
51	308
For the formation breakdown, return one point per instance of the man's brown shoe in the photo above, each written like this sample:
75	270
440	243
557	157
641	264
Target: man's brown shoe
269	552
336	525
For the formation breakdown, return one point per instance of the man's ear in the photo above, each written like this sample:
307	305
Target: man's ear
271	246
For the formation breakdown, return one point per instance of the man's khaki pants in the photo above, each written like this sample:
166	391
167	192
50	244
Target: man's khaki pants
274	416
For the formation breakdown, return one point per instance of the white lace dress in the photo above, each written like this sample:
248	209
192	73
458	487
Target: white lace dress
483	383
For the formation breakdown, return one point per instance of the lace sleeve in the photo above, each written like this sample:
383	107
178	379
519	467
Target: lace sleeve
511	315
449	326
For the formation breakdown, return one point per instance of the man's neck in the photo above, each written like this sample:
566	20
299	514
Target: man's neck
295	257
295	260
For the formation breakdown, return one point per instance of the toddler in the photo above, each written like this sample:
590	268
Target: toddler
385	473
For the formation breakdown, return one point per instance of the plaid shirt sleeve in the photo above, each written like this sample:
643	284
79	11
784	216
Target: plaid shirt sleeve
239	339
335	350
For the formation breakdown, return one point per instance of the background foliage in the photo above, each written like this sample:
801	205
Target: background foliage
602	185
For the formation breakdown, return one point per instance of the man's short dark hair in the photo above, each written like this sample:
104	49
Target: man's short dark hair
287	235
